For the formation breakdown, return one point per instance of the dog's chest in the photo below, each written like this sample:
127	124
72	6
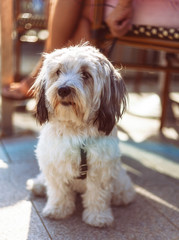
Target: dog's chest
61	155
58	149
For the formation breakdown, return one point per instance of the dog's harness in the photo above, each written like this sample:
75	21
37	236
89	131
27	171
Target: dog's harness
83	163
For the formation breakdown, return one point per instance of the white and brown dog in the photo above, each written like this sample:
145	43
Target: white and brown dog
80	96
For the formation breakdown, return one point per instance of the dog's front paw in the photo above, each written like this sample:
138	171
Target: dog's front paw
58	212
101	218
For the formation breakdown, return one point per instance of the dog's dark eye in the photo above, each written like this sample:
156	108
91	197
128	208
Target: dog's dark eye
85	75
58	72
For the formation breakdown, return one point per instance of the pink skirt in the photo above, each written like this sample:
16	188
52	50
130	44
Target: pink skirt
161	13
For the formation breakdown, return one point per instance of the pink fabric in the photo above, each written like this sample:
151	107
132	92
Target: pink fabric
163	13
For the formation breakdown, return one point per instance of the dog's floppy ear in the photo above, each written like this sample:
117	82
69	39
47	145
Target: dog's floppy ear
113	101
38	89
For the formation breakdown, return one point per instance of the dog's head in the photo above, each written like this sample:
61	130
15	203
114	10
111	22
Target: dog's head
79	84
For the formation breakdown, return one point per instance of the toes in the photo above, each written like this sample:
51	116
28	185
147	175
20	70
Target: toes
98	219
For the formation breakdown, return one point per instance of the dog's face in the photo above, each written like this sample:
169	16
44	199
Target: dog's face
78	84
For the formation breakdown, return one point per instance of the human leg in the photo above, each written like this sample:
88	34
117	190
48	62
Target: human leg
63	20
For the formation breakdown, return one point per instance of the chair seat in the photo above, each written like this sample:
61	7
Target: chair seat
155	32
152	43
145	37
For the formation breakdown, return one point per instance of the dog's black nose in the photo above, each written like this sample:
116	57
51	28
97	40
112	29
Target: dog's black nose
64	91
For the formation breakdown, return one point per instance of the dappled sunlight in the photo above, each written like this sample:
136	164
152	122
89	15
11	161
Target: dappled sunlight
142	119
15	221
171	133
140	130
158	161
132	170
3	164
151	196
137	129
145	104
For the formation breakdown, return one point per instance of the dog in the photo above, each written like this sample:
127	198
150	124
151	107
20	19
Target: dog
79	98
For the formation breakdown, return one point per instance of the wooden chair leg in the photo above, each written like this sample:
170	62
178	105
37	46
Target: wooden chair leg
165	91
142	58
17	11
165	99
17	60
110	50
6	121
6	8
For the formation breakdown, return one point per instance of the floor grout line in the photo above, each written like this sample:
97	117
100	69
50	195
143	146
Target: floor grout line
6	152
41	220
162	214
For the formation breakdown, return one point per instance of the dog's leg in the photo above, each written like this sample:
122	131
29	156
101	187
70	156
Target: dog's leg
96	201
123	190
37	185
61	200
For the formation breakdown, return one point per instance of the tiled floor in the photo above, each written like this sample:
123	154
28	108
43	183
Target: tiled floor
152	164
151	159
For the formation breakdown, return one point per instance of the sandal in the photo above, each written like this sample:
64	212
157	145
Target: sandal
18	91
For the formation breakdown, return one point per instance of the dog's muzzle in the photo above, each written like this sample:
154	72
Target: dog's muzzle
64	91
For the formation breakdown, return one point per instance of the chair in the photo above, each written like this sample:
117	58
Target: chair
20	23
27	19
137	39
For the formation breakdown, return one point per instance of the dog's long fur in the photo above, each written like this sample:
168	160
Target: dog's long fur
80	96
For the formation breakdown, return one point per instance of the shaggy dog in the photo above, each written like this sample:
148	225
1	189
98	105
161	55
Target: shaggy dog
80	96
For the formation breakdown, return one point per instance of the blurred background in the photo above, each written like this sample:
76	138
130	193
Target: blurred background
142	120
150	153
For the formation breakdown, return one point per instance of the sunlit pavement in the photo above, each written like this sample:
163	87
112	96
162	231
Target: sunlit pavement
151	159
